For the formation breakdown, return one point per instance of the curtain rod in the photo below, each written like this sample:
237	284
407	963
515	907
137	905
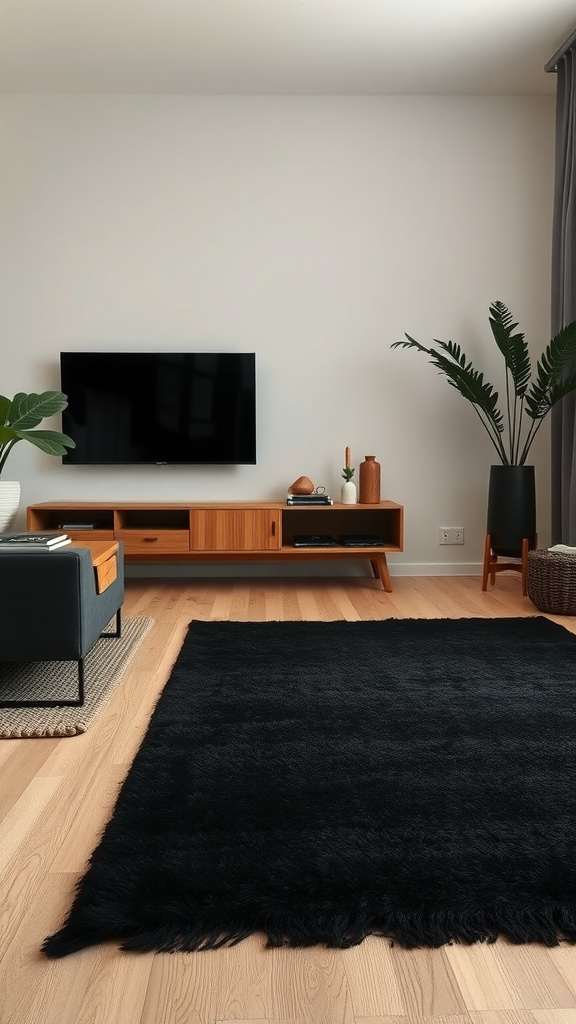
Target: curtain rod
552	66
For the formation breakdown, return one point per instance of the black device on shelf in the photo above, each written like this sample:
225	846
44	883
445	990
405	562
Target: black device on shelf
314	540
361	540
163	408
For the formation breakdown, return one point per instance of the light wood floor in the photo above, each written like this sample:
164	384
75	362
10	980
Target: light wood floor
56	795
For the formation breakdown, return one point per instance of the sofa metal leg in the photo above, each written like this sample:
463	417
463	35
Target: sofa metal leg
81	682
118	630
78	702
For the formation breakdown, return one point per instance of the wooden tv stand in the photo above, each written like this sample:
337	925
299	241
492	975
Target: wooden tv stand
225	531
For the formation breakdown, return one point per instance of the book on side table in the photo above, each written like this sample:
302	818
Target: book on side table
17	542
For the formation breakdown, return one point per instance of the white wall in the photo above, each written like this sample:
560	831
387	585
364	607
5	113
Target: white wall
311	230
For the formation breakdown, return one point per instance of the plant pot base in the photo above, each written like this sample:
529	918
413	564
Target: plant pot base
511	509
9	503
492	565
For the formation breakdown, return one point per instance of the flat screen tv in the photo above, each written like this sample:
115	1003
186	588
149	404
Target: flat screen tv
160	408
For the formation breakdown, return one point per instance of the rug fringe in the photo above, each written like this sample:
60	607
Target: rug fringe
412	930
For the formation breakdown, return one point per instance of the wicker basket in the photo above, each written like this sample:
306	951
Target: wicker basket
551	581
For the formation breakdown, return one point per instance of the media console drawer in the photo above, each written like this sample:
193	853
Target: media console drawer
153	541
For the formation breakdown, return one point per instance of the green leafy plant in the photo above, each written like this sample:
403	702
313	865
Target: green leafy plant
347	472
20	415
527	401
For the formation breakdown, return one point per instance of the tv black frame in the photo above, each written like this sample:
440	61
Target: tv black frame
111	365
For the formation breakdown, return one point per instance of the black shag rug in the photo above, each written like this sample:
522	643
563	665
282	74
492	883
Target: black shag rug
323	781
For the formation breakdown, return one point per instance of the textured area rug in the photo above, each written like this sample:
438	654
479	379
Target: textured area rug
50	680
322	781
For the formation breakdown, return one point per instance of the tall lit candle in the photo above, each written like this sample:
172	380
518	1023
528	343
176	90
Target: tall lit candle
347	458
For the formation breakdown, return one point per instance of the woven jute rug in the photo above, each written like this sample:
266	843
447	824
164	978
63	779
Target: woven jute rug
48	680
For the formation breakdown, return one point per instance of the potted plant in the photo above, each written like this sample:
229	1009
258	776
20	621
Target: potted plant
348	493
19	417
511	496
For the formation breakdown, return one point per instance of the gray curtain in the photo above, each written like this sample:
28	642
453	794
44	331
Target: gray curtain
564	298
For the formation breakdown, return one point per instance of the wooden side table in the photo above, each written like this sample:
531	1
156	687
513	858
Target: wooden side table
104	560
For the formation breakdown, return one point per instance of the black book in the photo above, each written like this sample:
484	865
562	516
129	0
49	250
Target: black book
46	539
309	499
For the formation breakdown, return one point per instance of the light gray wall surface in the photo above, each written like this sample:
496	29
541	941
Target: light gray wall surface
311	230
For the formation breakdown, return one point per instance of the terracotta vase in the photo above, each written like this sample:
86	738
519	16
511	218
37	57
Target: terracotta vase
369	481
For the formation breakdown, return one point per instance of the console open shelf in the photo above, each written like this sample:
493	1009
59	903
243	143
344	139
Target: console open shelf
227	531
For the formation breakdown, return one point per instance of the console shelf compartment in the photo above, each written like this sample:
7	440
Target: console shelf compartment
226	531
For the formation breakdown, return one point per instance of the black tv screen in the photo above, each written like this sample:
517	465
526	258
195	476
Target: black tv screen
159	407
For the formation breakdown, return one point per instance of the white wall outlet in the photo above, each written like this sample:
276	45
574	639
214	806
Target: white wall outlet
451	535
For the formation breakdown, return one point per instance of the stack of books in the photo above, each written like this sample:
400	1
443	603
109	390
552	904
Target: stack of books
309	499
17	542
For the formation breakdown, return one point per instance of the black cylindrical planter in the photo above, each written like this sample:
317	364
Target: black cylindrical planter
511	509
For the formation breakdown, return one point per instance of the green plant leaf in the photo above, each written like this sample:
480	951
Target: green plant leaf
32	409
15	405
544	400
461	375
5	404
6	435
555	378
548	388
50	441
512	346
21	414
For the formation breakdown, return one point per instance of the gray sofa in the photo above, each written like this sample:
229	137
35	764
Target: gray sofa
50	610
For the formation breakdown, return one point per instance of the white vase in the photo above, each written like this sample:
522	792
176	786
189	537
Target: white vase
9	502
348	495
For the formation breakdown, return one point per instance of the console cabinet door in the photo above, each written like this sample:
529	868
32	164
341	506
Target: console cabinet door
235	530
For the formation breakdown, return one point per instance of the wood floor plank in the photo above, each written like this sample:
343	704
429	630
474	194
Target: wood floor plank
427	982
310	986
504	1017
342	602
275	610
17	771
247	981
100	796
222	606
564	960
555	1016
21	822
537	978
415	1019
183	988
373	980
33	989
306	600
28	845
56	795
290	602
486	976
257	603
116	989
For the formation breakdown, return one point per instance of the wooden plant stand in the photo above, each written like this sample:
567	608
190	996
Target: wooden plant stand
492	565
